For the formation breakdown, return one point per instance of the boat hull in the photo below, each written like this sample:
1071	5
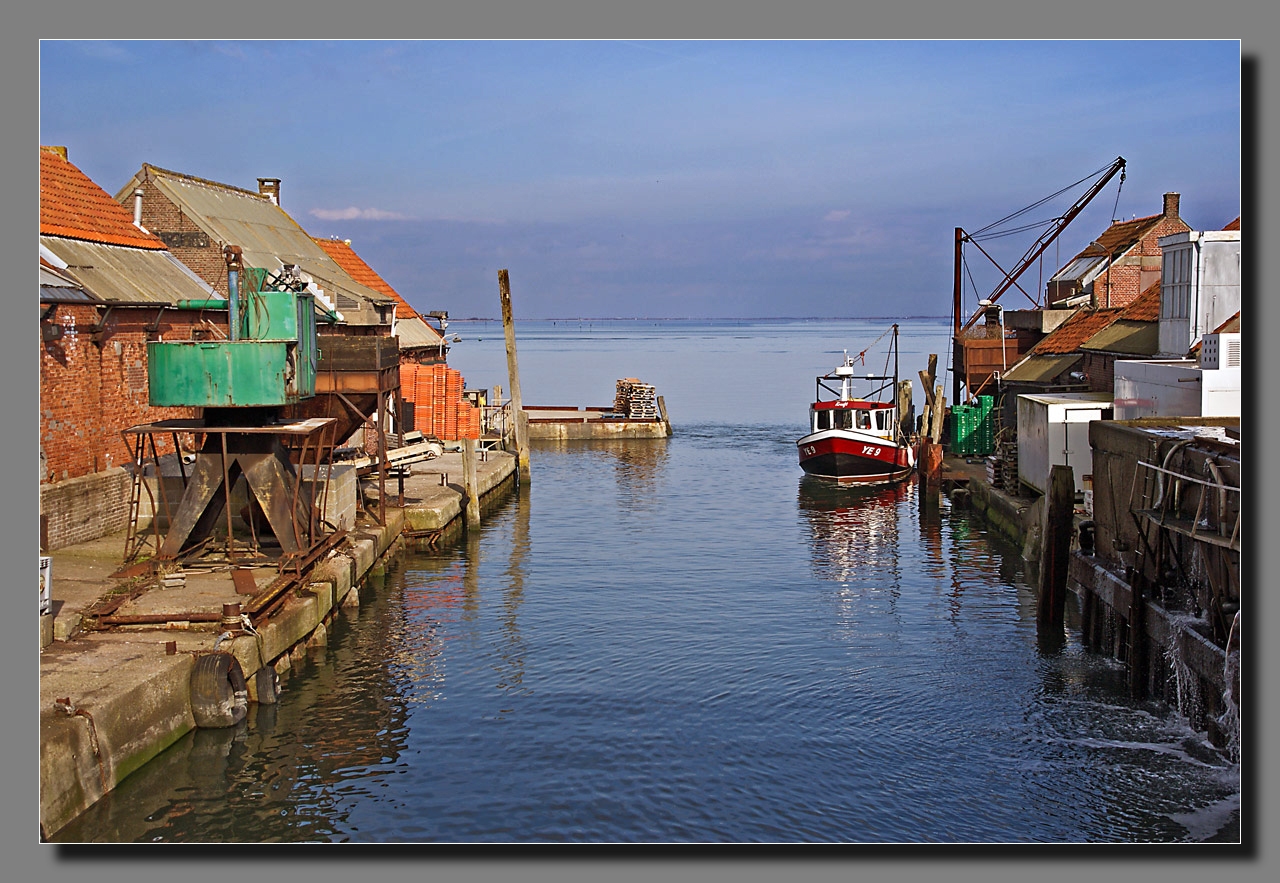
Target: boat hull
853	458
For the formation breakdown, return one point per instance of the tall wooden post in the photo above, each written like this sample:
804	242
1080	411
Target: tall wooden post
469	482
513	377
1055	554
1137	657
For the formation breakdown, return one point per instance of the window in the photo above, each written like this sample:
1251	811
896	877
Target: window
1175	294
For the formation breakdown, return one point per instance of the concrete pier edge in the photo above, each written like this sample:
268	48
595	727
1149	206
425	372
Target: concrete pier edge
137	703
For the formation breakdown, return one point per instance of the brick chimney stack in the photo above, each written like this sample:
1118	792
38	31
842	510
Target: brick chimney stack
1171	205
270	188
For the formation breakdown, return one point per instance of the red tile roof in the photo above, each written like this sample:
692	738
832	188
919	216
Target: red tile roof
1144	308
1120	237
346	258
1234	225
73	206
1068	336
1230	326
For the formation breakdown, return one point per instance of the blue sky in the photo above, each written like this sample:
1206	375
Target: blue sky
682	179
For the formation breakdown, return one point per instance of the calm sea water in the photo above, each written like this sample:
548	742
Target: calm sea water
687	640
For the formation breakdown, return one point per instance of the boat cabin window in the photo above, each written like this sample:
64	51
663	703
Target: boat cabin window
841	419
864	419
882	420
821	420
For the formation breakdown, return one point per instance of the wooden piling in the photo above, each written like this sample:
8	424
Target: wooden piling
931	463
1055	552
469	482
513	376
1137	660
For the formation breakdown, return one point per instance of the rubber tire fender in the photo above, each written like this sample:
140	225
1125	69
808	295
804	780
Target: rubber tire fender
268	685
219	694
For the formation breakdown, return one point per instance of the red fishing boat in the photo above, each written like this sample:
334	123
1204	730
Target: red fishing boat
857	439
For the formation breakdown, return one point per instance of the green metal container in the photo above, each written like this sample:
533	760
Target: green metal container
224	374
272	364
269	315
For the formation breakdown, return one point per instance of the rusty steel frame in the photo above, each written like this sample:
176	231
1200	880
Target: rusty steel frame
313	440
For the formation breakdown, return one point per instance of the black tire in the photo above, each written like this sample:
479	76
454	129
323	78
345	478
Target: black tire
268	684
219	694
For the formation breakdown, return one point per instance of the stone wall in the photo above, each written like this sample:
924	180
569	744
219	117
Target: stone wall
84	508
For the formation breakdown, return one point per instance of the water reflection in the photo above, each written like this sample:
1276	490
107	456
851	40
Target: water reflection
854	533
512	652
639	465
292	771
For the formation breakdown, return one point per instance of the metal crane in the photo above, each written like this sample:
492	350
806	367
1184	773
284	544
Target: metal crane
1011	277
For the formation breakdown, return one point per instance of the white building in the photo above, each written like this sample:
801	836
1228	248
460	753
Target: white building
1199	304
1204	387
1199	287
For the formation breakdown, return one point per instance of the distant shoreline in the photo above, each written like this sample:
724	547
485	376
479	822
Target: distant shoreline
705	318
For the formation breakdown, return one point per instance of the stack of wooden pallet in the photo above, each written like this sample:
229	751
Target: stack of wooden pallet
637	400
1007	454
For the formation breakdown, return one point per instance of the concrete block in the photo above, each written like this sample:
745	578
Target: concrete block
434	518
290	625
365	554
343	493
324	595
70	780
319	637
135	725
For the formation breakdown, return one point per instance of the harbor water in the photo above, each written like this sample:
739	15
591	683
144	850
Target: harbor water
686	640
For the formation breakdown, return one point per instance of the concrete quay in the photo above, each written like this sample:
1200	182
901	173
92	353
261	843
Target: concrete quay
113	697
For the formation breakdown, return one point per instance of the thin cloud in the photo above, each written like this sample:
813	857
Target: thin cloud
351	213
837	214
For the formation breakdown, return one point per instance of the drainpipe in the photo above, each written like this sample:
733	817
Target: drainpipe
232	255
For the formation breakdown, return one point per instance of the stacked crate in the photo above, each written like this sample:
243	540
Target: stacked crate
637	400
973	428
439	408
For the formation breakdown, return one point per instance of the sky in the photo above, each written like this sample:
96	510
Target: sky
715	179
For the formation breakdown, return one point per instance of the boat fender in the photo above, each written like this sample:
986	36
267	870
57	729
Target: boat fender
267	684
219	694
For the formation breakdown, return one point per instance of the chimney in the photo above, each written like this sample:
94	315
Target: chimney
270	188
137	207
1171	205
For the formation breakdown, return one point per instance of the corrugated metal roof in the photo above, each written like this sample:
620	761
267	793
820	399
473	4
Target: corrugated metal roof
55	285
415	332
115	273
1041	369
1125	337
268	237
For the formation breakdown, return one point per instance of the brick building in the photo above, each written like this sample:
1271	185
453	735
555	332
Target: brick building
107	288
1117	267
432	389
195	218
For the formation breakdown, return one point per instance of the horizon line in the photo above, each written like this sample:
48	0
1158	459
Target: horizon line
696	318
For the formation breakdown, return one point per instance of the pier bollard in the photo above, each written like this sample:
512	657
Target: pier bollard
1055	552
470	484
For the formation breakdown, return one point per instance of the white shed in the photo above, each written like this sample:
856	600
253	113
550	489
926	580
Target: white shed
1053	430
